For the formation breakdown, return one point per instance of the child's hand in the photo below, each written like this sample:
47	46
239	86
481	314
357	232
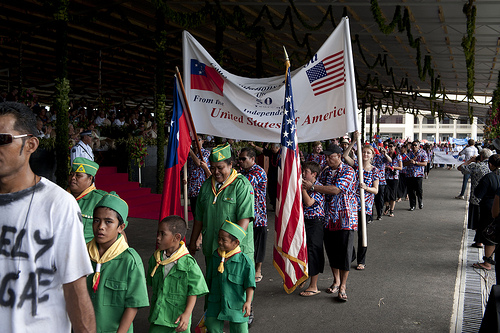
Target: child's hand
183	321
246	309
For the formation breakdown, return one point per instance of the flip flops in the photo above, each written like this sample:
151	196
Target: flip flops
480	265
342	296
308	293
258	278
360	267
332	289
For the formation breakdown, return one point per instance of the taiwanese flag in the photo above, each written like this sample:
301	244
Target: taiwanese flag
179	143
204	77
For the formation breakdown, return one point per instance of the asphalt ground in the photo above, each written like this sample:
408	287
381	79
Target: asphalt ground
408	284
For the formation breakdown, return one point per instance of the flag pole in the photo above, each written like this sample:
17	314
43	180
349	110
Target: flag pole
190	122
185	190
287	60
362	223
194	136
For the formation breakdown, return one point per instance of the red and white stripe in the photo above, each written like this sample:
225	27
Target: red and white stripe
334	66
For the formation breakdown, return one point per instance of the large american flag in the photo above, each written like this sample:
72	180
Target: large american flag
328	74
290	251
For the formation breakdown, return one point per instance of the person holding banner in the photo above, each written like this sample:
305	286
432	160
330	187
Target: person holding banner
198	171
370	184
341	217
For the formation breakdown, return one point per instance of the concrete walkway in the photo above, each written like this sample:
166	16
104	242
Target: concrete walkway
415	279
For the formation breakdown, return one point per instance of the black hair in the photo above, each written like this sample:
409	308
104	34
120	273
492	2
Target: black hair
250	152
175	224
313	166
25	118
495	160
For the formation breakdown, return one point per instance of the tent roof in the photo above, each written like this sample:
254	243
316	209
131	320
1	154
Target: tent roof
121	33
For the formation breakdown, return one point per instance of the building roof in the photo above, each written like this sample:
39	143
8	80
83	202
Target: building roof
121	34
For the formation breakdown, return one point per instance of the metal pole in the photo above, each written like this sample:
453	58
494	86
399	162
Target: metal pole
362	223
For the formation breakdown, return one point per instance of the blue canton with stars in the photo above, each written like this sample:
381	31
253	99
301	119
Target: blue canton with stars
316	73
288	126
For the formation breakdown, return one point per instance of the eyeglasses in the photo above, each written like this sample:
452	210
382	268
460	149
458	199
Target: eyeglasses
6	138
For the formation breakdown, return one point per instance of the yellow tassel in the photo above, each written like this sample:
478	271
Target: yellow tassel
221	265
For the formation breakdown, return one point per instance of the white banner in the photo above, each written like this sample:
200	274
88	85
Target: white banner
227	105
442	157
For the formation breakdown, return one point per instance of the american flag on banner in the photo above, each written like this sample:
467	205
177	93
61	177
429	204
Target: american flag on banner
328	74
290	251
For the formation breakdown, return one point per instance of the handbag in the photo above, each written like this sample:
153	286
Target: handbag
490	232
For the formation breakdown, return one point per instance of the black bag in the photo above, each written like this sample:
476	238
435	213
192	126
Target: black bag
490	232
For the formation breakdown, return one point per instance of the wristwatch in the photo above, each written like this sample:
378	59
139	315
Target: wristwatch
312	187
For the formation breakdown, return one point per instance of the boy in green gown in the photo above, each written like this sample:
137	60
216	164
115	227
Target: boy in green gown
118	286
176	279
231	279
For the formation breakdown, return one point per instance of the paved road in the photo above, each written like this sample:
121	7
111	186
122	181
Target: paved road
408	285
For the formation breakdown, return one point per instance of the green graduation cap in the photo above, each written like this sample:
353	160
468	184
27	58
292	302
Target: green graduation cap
220	153
113	201
234	229
84	165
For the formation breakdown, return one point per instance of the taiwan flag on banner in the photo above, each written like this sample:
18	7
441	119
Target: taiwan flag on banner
204	77
179	143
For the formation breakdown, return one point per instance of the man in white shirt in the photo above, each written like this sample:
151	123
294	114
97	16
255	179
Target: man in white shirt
120	121
468	152
83	147
101	119
44	260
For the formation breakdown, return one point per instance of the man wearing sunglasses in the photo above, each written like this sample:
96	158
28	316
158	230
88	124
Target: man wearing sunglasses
416	162
43	258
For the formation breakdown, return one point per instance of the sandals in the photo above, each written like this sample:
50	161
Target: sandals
342	296
386	210
308	293
360	267
332	289
258	278
480	265
391	213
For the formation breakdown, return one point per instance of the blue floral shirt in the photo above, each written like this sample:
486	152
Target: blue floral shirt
258	178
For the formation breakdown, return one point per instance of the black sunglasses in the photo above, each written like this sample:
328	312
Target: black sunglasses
242	158
6	138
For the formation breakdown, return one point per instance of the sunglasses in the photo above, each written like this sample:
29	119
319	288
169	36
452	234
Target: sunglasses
6	138
242	158
414	145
